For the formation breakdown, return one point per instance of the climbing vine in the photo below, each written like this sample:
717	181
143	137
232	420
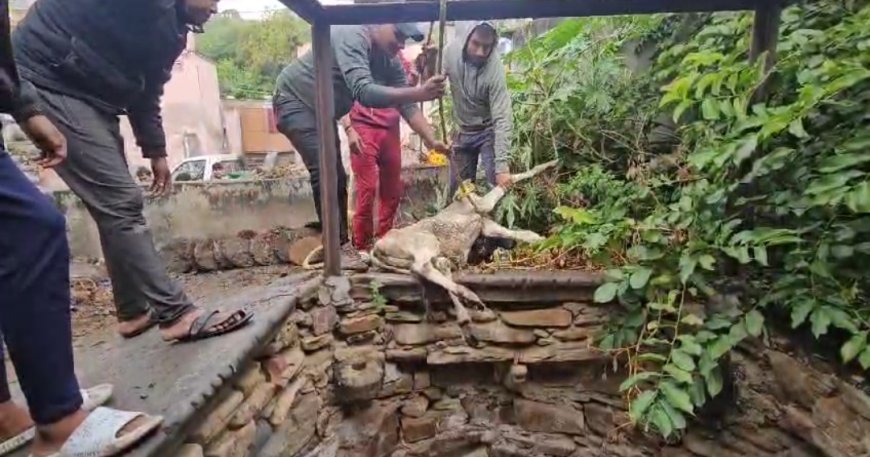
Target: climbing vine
715	193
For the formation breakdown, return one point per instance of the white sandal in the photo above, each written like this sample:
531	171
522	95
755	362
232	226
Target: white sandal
91	398
98	436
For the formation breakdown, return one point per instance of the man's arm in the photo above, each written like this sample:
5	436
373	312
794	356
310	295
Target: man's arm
15	99
146	119
502	117
351	54
418	123
147	123
19	100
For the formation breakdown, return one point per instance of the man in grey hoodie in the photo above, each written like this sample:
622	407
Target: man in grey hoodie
481	107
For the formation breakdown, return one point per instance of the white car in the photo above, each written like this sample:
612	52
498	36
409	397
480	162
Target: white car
202	168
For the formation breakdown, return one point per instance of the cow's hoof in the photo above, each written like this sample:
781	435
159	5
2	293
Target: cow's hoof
468	295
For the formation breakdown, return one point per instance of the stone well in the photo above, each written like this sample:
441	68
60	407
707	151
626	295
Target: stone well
360	369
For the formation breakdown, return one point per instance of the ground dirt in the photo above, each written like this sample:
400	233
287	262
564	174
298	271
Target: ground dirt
93	315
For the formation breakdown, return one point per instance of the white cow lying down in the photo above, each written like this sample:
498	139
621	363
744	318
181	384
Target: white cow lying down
432	247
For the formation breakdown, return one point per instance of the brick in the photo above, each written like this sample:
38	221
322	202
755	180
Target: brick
283	367
419	428
217	420
554	317
548	418
360	324
233	443
253	404
190	450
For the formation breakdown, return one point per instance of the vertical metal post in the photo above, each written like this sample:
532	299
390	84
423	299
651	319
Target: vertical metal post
325	106
765	34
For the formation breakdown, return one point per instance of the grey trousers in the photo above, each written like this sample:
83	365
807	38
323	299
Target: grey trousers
96	171
469	148
299	124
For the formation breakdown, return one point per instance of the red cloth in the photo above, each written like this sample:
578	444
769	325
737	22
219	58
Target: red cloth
380	117
378	171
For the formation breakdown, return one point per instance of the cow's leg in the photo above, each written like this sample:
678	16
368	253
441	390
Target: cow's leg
486	204
494	230
515	178
423	266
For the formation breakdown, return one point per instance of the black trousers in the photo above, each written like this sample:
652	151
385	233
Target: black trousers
298	123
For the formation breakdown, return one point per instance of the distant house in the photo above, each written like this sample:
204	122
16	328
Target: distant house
251	130
192	114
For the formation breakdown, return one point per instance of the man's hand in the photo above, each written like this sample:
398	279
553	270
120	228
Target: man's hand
439	146
162	177
354	141
503	180
47	138
433	88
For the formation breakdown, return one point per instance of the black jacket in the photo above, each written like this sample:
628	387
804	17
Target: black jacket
13	100
116	54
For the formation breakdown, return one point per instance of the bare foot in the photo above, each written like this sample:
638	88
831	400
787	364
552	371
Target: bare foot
135	326
13	420
49	439
181	328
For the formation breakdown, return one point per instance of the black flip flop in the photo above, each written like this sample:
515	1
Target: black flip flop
199	329
152	321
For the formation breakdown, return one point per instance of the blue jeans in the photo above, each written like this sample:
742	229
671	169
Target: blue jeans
34	297
469	148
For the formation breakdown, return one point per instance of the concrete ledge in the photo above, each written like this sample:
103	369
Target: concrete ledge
502	288
178	381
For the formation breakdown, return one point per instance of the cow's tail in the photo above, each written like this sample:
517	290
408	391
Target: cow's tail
306	263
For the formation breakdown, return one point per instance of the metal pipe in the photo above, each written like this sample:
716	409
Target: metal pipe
415	11
329	156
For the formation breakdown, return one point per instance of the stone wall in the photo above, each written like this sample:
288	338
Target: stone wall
227	209
376	376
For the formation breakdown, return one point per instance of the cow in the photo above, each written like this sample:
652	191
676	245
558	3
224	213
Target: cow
435	246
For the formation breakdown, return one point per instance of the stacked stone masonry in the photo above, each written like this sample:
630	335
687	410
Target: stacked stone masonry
377	377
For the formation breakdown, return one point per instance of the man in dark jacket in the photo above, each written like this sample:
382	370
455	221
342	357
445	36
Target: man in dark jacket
35	298
90	62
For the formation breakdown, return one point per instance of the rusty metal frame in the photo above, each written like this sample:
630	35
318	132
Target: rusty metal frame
322	17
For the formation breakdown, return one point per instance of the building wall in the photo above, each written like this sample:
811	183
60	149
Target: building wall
192	114
255	122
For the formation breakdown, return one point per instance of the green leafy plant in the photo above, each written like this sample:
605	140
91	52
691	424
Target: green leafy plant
378	298
704	171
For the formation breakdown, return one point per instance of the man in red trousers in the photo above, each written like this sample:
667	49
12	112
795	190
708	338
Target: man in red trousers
376	161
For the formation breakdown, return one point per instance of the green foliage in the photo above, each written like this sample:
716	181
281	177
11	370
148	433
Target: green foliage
774	188
251	53
378	298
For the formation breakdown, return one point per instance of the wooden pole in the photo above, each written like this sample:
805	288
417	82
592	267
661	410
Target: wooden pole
329	159
765	34
442	24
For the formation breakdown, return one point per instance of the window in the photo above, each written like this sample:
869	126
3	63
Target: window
193	170
232	166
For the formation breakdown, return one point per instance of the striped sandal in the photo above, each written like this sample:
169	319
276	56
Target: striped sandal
91	398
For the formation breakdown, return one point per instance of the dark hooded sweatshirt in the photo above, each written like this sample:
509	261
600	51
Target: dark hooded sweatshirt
14	99
114	54
480	96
